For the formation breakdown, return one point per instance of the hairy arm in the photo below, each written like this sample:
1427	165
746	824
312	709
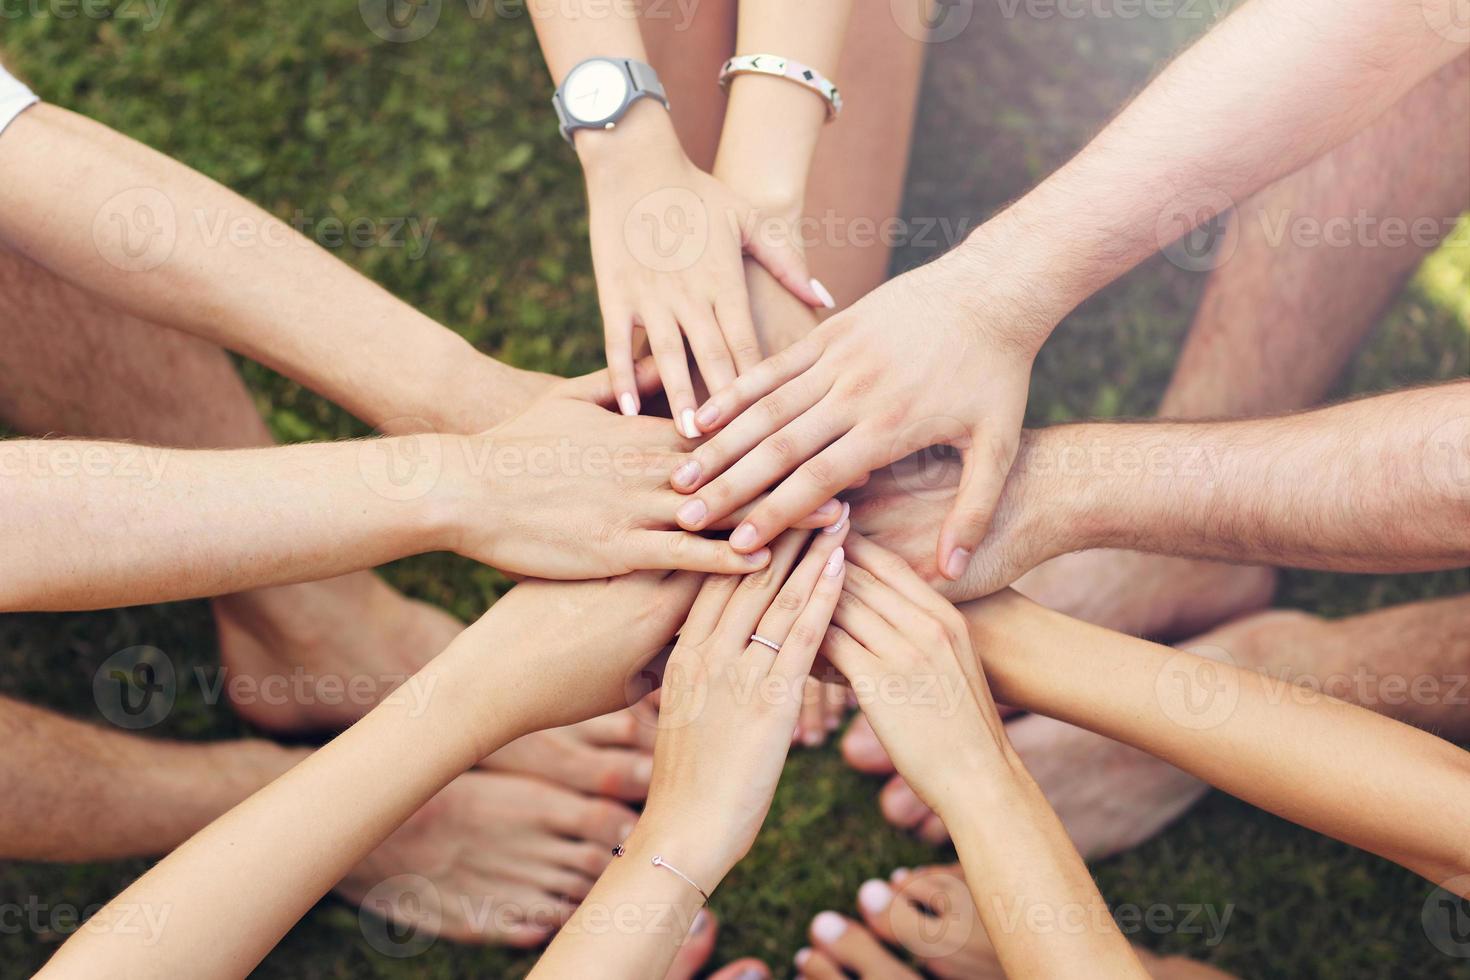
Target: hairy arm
1336	768
163	242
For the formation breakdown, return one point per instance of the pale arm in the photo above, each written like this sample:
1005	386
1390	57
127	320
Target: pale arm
165	243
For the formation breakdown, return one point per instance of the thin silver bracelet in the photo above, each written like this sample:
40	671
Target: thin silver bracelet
659	862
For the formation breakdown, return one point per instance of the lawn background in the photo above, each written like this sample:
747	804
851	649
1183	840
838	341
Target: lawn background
301	108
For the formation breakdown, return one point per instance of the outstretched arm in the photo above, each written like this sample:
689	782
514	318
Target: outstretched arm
161	241
508	674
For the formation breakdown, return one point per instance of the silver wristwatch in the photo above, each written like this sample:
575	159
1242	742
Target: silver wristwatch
598	91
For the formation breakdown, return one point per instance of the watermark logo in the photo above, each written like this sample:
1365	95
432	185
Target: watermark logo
932	21
1195	230
400	21
668	229
401	916
404	467
1198	688
136	229
1446	917
950	921
1447	458
135	688
1450	19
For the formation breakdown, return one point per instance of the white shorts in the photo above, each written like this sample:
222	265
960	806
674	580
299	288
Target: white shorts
15	98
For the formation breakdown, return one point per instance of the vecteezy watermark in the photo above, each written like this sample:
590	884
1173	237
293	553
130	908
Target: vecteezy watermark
139	686
667	230
1450	19
137	230
403	21
1366	687
1114	9
932	21
1078	918
1446	917
67	459
150	12
1195	230
143	920
1198	688
1447	458
401	916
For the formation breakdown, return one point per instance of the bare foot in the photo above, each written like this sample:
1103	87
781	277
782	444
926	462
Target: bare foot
696	951
610	756
929	913
1110	796
1146	595
491	859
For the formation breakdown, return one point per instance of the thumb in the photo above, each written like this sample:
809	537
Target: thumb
773	245
987	464
597	387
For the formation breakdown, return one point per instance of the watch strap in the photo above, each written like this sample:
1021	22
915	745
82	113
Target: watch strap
643	83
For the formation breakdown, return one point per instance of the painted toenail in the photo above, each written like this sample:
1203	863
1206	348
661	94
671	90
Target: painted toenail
802	955
701	923
750	973
691	512
812	738
828	927
900	875
875	896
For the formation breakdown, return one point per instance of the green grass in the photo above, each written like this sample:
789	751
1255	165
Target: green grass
299	107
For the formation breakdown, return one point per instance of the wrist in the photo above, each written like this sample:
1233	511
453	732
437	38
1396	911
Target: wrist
1063	495
693	844
643	138
459	511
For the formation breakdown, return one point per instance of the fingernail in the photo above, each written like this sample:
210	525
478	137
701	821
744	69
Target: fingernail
691	512
687	474
823	295
758	558
802	955
834	564
707	415
643	770
686	419
900	875
628	403
828	927
831	507
841	521
744	536
959	560
875	896
701	923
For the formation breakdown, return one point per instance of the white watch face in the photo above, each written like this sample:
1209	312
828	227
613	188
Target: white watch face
595	91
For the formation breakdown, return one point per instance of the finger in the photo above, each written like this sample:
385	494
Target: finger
779	409
617	325
667	344
831	514
820	477
796	591
800	649
680	549
779	256
893	571
758	382
732	309
597	387
744	610
871	630
847	655
704	616
886	602
987	464
707	342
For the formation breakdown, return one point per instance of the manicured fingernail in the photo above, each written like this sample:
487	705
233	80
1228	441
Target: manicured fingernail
841	521
643	770
686	475
691	512
831	507
744	536
959	560
758	558
700	924
828	927
823	295
834	564
812	739
707	415
686	420
802	955
628	402
900	875
875	896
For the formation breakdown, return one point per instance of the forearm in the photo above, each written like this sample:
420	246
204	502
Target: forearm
161	241
296	838
772	124
1272	87
1340	770
110	524
1375	485
71	791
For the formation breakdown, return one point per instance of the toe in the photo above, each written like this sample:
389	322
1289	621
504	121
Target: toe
697	946
900	806
812	965
747	969
933	831
929	912
863	751
622	774
855	949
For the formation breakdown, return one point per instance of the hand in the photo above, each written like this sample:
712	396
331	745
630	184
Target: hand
569	490
667	240
904	504
905	368
729	705
906	652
